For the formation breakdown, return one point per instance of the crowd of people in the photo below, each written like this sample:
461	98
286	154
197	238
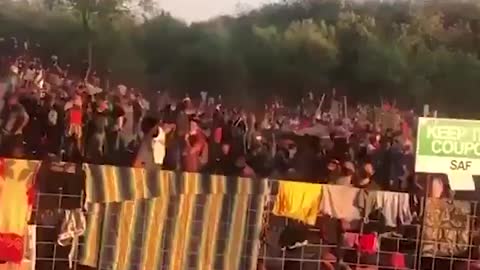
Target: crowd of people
48	111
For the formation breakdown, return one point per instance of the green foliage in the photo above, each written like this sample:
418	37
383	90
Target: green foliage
417	54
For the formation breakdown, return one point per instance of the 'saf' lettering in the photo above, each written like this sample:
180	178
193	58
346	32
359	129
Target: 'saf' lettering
460	165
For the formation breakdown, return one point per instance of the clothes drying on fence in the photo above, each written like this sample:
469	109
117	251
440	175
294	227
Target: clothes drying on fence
116	184
339	202
368	243
350	239
29	252
73	226
299	201
394	206
397	260
92	240
446	227
16	198
190	231
293	236
365	243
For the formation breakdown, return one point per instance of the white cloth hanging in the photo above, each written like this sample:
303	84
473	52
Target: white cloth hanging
339	202
73	226
395	206
29	252
29	255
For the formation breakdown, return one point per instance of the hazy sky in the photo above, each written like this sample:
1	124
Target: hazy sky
199	10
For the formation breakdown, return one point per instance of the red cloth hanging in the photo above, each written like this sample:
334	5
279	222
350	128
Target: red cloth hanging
397	260
367	243
11	247
350	239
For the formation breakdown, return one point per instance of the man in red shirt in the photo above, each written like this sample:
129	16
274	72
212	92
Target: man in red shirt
74	115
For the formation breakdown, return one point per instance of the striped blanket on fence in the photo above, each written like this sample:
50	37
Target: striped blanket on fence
190	223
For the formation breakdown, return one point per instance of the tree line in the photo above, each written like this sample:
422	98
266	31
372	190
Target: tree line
413	52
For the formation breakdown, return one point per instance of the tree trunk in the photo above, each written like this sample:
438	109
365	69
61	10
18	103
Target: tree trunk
90	58
86	28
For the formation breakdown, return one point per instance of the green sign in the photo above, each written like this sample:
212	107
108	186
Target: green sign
449	138
449	146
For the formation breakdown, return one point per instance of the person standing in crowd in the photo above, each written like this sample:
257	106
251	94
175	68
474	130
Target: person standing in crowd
348	172
333	171
408	166
383	163
153	148
182	127
52	125
126	127
55	72
16	119
215	141
32	104
29	75
224	163
139	110
195	154
98	135
117	116
182	119
365	177
74	114
239	130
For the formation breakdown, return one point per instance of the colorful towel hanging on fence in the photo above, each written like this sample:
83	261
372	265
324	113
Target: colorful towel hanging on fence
211	232
143	219
116	184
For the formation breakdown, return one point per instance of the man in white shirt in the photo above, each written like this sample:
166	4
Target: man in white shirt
153	147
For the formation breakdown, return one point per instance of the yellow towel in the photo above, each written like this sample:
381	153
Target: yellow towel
299	201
